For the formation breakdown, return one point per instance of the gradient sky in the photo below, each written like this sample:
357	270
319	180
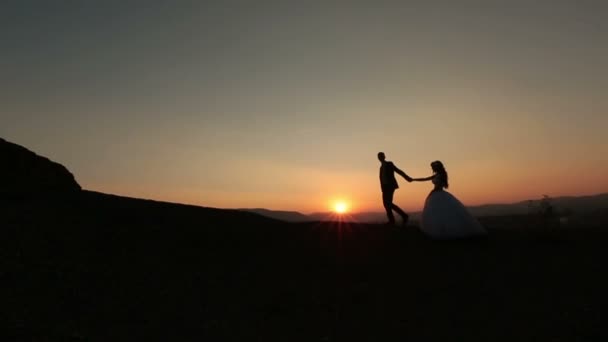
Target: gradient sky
284	105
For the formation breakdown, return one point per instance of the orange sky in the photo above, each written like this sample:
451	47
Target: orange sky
286	108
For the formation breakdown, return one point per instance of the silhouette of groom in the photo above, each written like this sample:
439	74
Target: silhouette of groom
388	184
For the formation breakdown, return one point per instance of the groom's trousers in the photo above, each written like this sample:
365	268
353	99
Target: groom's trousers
387	201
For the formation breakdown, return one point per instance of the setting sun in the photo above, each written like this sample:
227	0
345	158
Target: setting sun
340	207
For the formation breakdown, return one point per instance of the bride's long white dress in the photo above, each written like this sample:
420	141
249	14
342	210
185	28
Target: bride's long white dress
445	217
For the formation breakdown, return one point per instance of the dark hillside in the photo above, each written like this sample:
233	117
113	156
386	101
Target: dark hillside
24	174
106	268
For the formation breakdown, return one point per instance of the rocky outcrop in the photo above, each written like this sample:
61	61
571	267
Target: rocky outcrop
25	174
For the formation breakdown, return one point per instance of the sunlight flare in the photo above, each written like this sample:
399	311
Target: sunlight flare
340	207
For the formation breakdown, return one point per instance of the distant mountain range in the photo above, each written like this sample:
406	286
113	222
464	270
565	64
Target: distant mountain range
289	216
562	205
294	216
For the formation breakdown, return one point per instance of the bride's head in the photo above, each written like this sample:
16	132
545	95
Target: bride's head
439	169
437	166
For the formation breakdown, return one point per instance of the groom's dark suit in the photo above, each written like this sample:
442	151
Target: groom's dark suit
388	184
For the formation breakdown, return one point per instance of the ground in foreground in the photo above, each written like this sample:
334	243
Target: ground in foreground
103	268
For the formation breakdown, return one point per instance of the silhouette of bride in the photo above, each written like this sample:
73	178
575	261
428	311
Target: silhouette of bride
444	216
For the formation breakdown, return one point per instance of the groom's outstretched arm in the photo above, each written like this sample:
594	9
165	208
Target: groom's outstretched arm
402	174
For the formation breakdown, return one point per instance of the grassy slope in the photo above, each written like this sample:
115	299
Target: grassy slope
105	268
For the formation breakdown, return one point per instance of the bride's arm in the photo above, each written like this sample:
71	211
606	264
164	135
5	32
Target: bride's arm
423	179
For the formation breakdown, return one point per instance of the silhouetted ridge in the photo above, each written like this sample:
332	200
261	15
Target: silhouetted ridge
25	174
108	207
289	216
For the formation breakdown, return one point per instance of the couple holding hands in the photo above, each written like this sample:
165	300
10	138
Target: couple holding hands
443	216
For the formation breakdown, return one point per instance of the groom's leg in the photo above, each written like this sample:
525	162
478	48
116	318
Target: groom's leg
387	200
401	213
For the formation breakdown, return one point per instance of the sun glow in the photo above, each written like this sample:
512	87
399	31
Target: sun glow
341	207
